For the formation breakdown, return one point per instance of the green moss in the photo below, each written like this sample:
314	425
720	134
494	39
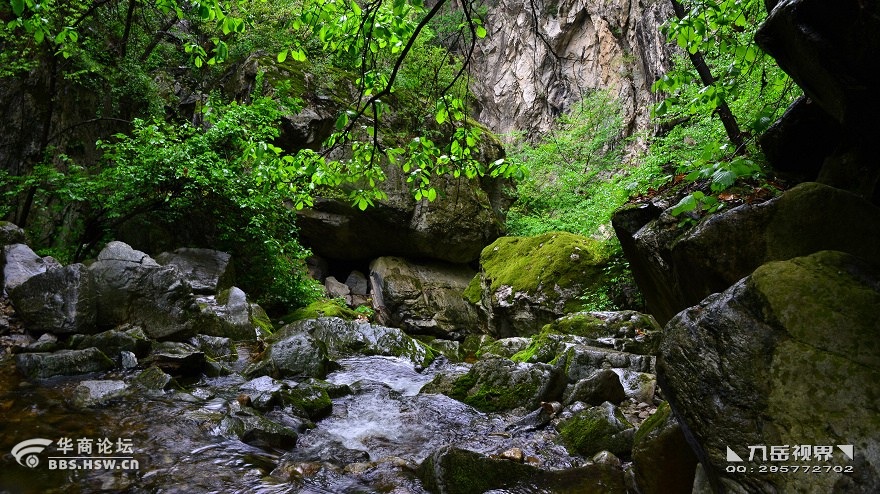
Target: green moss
474	291
321	308
468	389
581	324
538	264
659	417
589	432
313	401
541	349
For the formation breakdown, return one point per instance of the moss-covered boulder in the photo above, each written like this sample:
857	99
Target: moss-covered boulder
664	462
457	471
494	384
229	314
595	429
321	308
787	356
527	282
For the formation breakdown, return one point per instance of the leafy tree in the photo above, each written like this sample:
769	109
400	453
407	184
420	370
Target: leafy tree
723	73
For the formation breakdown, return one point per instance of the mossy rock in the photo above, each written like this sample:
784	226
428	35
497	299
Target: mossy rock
664	461
527	282
495	384
598	428
310	399
321	308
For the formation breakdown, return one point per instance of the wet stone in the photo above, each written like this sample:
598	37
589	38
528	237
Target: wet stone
92	393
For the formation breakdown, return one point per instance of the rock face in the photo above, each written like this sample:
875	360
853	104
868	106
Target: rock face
423	298
495	383
60	301
467	216
830	53
787	356
540	58
677	270
527	282
206	270
20	263
133	288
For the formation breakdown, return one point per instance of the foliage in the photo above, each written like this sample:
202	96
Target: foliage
181	171
742	77
577	177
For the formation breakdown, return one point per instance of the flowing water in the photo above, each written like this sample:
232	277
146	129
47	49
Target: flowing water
372	441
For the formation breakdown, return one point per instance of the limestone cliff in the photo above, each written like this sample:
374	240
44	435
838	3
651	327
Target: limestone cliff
541	56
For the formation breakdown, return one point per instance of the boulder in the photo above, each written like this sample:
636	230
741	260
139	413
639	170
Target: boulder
787	356
11	234
423	297
677	269
298	354
93	393
527	282
336	289
230	315
458	471
20	263
599	428
493	384
664	461
62	363
152	378
60	301
595	389
465	217
253	428
133	288
358	283
346	338
207	271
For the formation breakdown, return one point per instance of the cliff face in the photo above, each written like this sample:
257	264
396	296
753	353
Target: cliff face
541	56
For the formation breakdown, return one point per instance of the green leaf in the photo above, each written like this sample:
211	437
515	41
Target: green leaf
432	194
282	56
481	32
18	7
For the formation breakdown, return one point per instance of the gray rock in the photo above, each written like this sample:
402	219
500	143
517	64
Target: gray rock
62	363
21	263
93	393
335	289
603	385
424	297
465	217
230	315
133	288
47	342
60	300
789	355
128	360
215	347
299	355
527	282
346	338
207	271
582	361
357	282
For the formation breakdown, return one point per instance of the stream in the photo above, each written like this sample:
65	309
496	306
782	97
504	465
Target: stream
372	441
